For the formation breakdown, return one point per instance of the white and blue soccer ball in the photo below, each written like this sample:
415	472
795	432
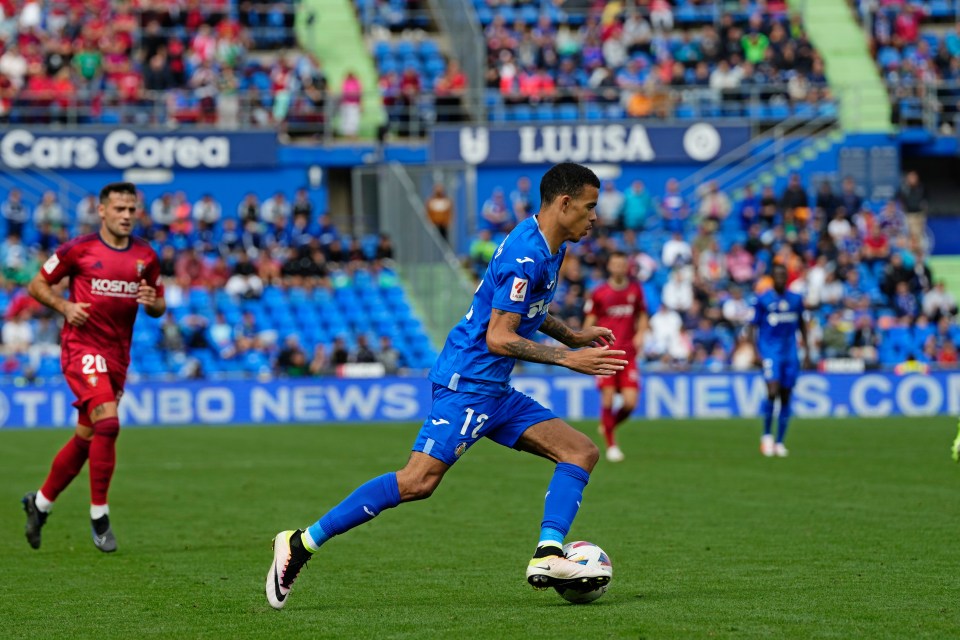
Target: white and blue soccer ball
589	554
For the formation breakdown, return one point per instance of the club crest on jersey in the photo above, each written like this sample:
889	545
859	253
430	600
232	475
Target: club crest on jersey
784	305
518	292
93	379
141	265
460	449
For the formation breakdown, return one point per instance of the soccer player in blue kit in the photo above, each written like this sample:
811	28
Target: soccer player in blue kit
472	396
778	314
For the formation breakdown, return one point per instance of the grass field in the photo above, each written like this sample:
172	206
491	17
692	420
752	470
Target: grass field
854	536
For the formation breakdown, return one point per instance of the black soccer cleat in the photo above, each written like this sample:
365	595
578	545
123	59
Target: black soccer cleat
103	537
35	519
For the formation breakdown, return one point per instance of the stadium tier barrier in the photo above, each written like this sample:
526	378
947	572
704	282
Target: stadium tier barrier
336	400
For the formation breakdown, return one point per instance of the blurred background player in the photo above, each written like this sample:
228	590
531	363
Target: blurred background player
472	396
619	305
778	314
111	273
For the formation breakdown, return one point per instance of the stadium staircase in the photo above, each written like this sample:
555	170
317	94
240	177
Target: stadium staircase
850	69
330	30
808	148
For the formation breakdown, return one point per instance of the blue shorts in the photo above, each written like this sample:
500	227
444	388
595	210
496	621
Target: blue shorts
781	370
459	419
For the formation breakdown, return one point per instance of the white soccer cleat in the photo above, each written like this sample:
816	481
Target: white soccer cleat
780	451
286	565
553	571
614	454
767	446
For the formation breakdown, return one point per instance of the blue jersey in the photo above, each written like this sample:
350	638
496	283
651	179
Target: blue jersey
778	318
521	278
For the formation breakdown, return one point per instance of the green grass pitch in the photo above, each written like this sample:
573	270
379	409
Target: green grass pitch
855	535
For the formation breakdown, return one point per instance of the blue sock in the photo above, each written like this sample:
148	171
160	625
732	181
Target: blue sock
360	506
783	420
767	409
563	501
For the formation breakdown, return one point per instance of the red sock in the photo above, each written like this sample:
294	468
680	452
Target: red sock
66	465
103	458
608	421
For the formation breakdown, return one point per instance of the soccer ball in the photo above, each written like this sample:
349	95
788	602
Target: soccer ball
593	556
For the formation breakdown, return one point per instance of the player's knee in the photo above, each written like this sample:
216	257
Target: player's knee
107	428
416	486
585	455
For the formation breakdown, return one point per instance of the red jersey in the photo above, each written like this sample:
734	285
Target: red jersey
618	310
109	280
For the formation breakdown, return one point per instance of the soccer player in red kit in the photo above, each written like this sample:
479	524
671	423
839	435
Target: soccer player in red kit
111	273
619	305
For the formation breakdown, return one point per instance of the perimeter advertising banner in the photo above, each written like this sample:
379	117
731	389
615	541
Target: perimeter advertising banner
122	149
318	401
608	142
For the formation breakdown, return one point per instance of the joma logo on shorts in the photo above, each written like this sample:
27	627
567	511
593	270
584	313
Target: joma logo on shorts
116	287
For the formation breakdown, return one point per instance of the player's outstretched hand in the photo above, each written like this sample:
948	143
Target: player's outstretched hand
146	295
76	313
595	337
596	361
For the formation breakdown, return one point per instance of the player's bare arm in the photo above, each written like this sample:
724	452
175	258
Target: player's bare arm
155	305
43	292
559	331
502	339
643	323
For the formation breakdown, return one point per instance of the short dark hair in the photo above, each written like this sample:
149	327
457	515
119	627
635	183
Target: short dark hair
616	254
117	187
566	179
778	265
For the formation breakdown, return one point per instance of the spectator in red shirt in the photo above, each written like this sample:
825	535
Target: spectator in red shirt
449	89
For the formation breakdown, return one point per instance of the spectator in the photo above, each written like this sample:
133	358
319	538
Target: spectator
340	353
736	310
939	303
171	337
302	207
50	212
481	252
794	196
249	209
221	338
88	212
521	200
16	213
17	333
676	251
275	210
163	211
495	217
904	302
207	211
674	207
714	204
351	94
320	363
389	357
291	360
865	341
913	198
677	292
740	264
440	210
610	206
638	206
849	197
665	339
244	282
834	342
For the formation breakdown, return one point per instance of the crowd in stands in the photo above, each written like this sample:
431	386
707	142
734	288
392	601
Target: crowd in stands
636	64
861	267
269	287
154	63
920	62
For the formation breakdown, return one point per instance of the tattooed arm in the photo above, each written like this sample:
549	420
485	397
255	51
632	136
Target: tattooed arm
503	340
559	331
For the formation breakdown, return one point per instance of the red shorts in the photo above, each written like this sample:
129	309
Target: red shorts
94	378
627	378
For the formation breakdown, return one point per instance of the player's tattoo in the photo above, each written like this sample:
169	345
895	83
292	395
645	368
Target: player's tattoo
558	330
531	351
98	412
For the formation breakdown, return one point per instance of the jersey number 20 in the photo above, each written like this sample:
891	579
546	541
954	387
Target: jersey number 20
93	364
